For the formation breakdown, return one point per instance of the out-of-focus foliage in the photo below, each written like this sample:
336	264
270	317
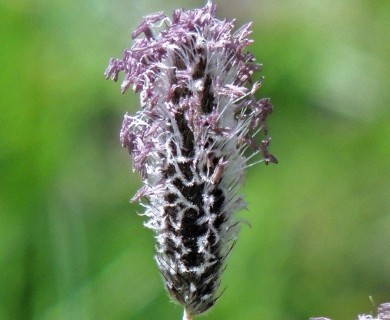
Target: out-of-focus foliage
72	247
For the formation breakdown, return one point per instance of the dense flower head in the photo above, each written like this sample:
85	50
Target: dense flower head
192	140
382	314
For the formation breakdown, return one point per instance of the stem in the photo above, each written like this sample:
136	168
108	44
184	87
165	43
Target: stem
187	316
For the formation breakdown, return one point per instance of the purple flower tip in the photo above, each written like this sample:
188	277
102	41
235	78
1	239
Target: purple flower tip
189	141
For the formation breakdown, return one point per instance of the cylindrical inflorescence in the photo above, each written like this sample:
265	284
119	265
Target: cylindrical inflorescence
192	140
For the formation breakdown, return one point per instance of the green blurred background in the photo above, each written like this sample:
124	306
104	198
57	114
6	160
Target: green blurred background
71	245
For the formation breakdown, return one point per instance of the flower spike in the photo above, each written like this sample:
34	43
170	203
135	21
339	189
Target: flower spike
189	142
